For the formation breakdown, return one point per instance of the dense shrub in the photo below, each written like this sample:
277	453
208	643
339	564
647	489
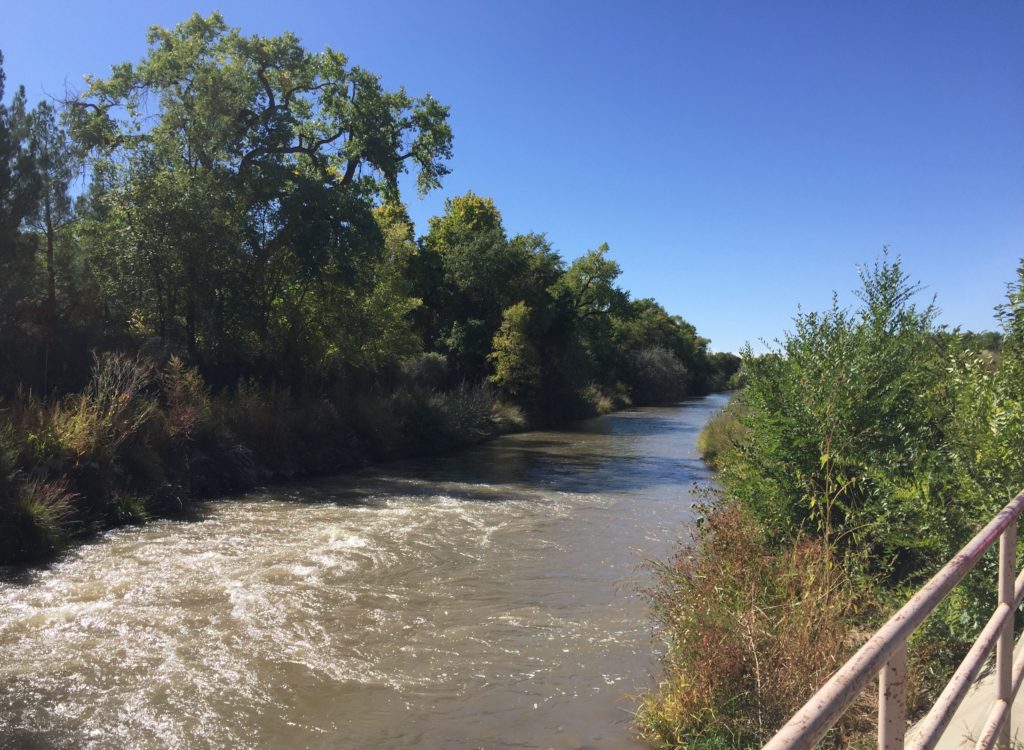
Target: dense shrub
92	426
600	400
725	372
448	419
657	376
425	372
144	440
846	423
260	418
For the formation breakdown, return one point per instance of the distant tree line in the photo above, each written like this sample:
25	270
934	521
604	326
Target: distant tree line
205	262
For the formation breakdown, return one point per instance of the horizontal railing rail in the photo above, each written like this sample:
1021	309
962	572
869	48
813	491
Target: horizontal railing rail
885	655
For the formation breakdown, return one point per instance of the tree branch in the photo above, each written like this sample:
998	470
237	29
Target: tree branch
350	171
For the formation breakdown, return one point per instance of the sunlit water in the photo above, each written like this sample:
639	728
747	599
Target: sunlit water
485	599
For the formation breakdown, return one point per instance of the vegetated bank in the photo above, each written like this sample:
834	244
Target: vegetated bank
863	451
237	293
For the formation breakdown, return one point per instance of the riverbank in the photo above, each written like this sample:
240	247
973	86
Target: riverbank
146	441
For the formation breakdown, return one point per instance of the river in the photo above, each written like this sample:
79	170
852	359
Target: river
483	599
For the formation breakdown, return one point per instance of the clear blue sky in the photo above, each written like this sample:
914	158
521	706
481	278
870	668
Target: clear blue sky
740	158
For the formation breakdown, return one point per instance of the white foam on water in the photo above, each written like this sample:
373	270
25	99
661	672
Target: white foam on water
458	602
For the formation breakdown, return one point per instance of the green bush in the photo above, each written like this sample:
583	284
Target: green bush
10	453
447	420
202	455
846	423
377	420
127	509
464	414
865	449
261	419
187	398
425	372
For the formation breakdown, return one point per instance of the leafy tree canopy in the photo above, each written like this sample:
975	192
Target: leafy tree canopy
262	104
239	175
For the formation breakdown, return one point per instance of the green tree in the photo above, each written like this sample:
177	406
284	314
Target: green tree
19	190
239	219
590	284
656	376
725	368
63	339
56	163
644	334
383	318
988	428
470	277
589	292
536	268
19	185
514	358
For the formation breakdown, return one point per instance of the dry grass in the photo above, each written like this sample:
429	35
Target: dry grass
97	422
750	633
187	397
507	417
604	401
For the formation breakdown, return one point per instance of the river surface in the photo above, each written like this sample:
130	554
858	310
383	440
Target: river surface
484	599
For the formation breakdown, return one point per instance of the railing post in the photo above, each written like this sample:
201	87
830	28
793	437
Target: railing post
892	701
1004	647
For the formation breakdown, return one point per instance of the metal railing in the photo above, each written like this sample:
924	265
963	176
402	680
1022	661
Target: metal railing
885	655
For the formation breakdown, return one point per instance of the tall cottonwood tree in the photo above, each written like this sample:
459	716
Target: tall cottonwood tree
245	204
588	288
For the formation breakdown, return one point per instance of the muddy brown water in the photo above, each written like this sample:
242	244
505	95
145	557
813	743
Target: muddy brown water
484	599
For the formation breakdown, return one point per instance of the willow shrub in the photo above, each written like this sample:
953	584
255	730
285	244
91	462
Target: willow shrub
94	425
445	420
657	376
143	440
847	424
63	463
